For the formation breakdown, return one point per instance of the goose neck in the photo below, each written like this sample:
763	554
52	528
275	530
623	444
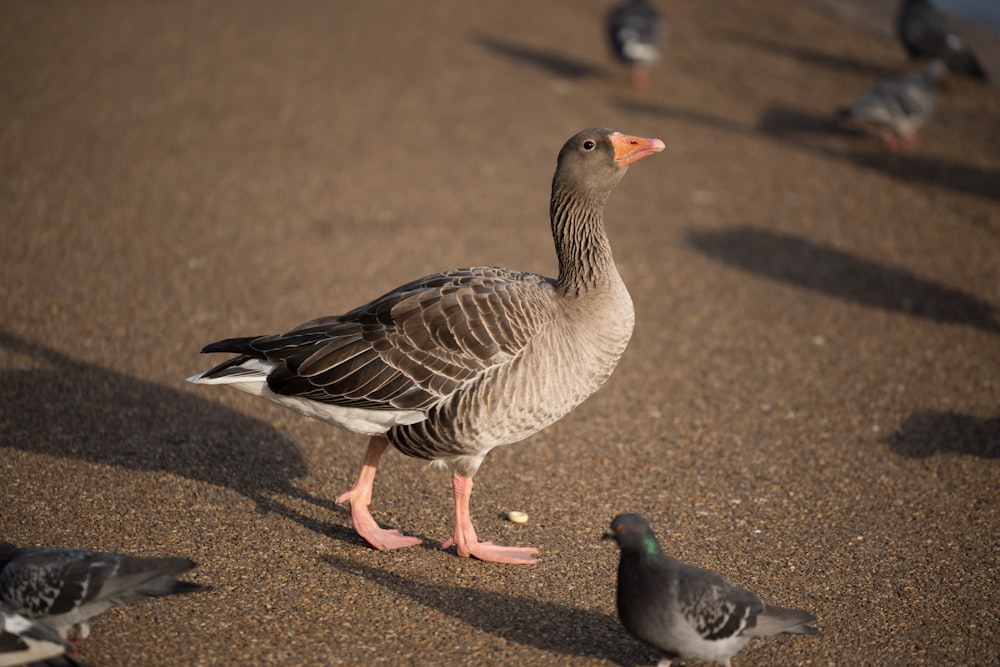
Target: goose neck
582	247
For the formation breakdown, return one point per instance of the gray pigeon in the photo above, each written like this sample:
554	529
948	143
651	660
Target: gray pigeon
898	107
63	588
687	612
926	34
636	30
23	640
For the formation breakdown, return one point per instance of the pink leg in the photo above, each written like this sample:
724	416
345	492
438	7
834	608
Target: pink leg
360	496
465	534
641	76
893	143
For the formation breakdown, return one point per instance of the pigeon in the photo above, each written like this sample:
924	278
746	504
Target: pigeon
926	34
62	588
636	30
65	660
23	640
899	106
687	612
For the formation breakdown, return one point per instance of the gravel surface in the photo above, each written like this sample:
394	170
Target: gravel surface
810	404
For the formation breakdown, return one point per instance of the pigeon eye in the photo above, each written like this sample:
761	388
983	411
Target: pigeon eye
588	145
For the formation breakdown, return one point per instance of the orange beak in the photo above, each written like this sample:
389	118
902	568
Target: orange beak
630	149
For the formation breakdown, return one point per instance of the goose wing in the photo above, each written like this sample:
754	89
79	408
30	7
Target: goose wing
407	349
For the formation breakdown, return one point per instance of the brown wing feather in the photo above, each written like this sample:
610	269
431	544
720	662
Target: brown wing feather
413	346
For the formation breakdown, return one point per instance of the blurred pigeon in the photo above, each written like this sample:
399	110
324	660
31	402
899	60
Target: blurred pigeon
898	107
684	611
63	588
23	640
926	34
65	660
636	31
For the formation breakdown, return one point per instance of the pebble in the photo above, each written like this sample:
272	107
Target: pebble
517	517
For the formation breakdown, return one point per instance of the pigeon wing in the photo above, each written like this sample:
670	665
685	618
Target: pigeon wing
713	606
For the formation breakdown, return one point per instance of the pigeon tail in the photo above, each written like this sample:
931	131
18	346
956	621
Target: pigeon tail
778	620
170	586
136	578
976	71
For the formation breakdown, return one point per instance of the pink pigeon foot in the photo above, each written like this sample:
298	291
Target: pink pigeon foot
642	77
78	632
466	541
895	143
360	497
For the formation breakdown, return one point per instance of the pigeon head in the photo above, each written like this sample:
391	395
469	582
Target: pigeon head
634	535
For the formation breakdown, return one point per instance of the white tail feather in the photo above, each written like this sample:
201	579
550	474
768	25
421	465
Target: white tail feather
251	371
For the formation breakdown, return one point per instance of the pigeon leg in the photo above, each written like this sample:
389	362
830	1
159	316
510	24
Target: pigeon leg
641	76
79	632
892	143
360	496
465	539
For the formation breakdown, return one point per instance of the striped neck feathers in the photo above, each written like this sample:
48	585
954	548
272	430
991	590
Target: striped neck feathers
582	247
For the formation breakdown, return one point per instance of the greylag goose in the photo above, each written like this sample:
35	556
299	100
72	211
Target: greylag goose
63	588
636	30
898	107
449	366
926	34
687	612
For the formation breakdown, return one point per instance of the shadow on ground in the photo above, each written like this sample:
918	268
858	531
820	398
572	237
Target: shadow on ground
65	407
835	273
547	60
928	170
824	134
930	432
681	114
812	56
805	130
797	126
544	625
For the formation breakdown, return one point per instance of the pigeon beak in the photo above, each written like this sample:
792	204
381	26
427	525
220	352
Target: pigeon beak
607	535
629	149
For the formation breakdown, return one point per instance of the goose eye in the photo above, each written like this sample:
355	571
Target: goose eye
588	145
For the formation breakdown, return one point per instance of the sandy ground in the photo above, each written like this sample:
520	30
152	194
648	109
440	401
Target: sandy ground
810	404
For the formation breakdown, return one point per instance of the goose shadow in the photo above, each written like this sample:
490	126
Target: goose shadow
547	60
548	626
929	433
835	273
67	408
